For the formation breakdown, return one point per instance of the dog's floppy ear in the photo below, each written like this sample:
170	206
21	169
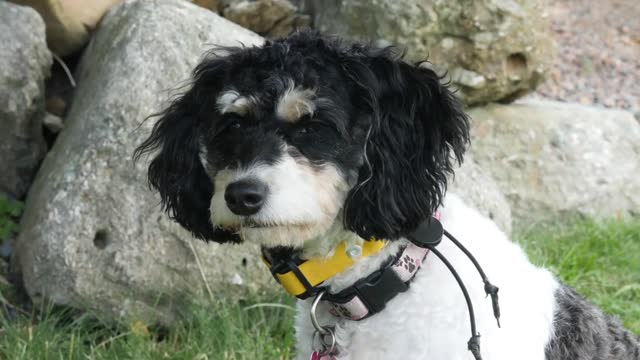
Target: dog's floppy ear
176	170
415	132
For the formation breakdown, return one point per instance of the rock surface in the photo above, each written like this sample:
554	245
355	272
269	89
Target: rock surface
93	234
53	123
24	65
479	190
494	50
271	18
553	160
213	5
69	22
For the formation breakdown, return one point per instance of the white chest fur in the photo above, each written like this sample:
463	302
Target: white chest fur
430	320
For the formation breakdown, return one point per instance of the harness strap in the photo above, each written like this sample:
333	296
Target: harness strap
370	295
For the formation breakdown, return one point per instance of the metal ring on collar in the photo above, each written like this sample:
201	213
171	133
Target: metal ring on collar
328	347
314	320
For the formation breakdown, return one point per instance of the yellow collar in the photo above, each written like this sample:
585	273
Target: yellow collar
301	279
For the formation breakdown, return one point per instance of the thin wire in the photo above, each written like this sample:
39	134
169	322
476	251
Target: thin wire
462	287
489	288
464	249
473	344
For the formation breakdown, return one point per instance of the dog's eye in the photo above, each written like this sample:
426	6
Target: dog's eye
310	127
231	122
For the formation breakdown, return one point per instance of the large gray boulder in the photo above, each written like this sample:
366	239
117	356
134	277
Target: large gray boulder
479	190
24	65
494	50
555	160
93	235
272	18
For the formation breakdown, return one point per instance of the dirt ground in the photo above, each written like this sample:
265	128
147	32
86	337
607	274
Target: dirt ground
598	53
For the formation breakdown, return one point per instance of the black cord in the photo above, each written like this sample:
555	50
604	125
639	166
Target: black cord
474	342
489	288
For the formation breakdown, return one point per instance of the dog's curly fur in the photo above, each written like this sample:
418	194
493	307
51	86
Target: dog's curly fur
306	141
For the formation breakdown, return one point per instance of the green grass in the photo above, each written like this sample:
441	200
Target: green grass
9	212
601	260
222	331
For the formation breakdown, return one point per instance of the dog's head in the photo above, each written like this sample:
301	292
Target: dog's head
280	143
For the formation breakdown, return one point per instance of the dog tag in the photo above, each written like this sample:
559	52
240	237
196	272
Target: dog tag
316	356
428	233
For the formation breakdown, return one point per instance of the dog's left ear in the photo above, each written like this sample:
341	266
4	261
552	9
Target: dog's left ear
416	131
176	170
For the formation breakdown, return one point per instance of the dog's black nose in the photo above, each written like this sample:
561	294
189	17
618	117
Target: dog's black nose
245	197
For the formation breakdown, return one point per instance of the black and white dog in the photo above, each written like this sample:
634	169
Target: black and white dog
305	143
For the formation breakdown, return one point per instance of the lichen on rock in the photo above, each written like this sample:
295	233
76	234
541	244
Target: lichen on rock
495	50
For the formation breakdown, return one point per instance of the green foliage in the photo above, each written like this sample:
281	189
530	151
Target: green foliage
221	331
9	213
600	260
